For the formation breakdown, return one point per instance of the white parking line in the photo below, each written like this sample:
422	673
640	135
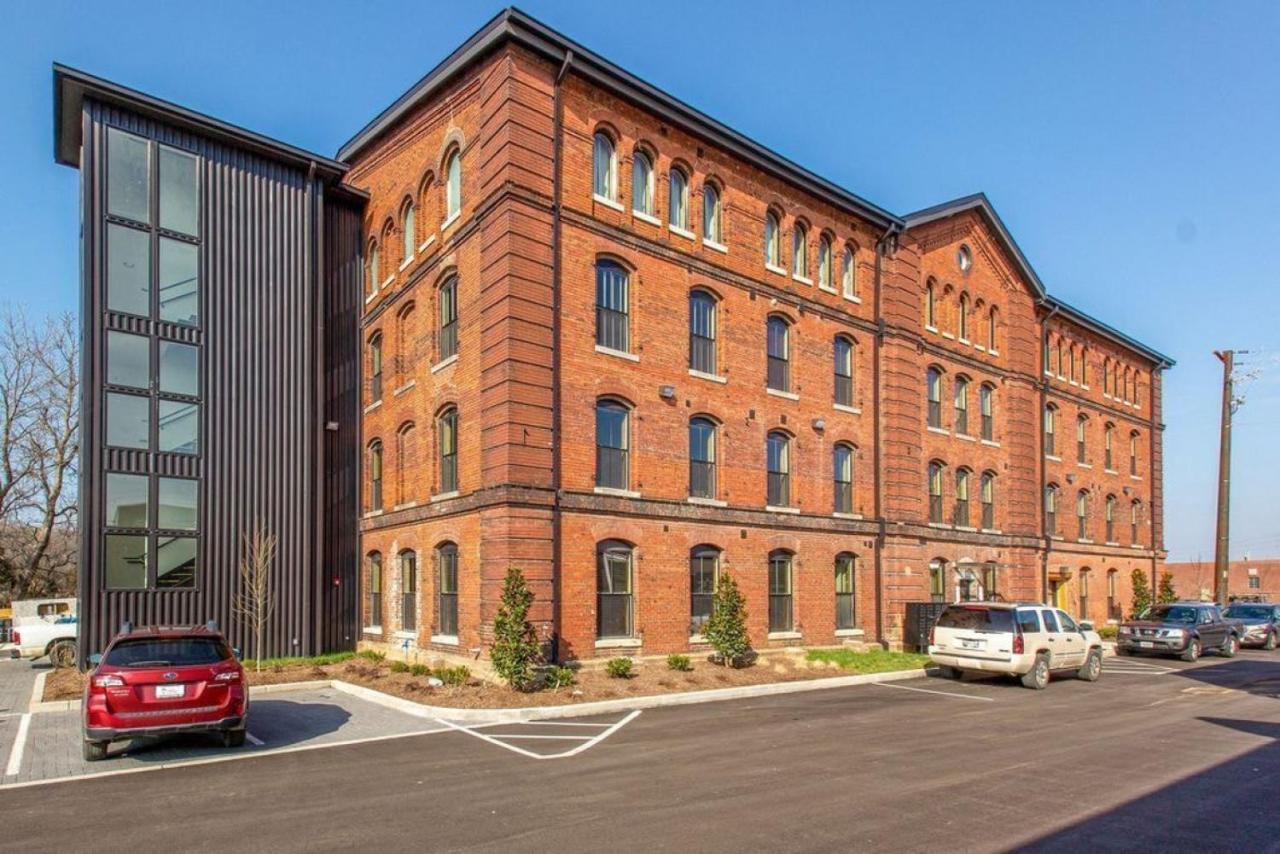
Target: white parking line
932	691
19	745
253	739
587	741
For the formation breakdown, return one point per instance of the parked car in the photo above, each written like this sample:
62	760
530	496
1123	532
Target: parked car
1260	623
55	637
1024	640
1186	629
163	681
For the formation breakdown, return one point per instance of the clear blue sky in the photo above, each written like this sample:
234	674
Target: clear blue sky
1133	148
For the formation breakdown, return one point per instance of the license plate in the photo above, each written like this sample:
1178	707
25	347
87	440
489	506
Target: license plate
1146	644
967	643
168	692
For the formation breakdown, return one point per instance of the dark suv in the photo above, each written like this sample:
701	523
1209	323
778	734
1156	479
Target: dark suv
1259	621
1186	629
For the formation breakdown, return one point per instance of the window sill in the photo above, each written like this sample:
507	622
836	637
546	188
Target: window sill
1084	541
939	431
410	384
444	363
707	502
1135	477
991	443
804	280
1111	471
607	202
852	410
386	283
964	340
774	509
1109	543
422	247
785	636
965	437
371	297
1074	383
683	232
968	528
618	643
992	531
979	348
371	630
846	515
405	506
786	395
697	639
609	351
949	336
853	298
827	288
444	226
928	328
1053	458
646	217
373	514
715	378
445	640
371	407
404	265
445	496
850	633
774	269
717	247
1084	465
942	525
994	352
620	493
1136	546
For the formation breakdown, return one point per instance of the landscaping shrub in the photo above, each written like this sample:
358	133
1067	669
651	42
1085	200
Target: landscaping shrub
558	677
1141	594
1107	632
618	668
726	631
420	670
515	648
454	675
679	662
399	667
1166	593
371	655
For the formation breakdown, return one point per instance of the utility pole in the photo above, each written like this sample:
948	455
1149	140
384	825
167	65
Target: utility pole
1221	553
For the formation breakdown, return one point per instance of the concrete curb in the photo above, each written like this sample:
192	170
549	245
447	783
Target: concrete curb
37	693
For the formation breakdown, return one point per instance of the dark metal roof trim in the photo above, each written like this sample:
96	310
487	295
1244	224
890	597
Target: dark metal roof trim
71	86
515	25
1108	331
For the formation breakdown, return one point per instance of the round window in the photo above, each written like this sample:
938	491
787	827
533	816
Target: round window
964	259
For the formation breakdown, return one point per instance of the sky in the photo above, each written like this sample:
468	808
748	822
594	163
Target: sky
1131	148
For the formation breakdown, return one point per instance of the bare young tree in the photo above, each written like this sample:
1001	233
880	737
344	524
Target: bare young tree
39	453
255	601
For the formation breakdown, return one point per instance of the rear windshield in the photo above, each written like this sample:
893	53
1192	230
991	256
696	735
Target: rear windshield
976	618
167	652
1172	614
1250	612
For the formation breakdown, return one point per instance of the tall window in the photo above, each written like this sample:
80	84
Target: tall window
962	498
989	577
779	355
962	406
1108	434
1084	366
938	580
800	251
612	306
1082	430
1110	511
844	371
373	574
772	249
843	478
962	322
408	591
986	403
825	279
374	267
404	436
702	458
702	332
778	451
642	183
604	168
711	229
678	199
614	607
453	188
1084	594
1051	510
933	390
1135	511
993	317
1113	603
447	430
375	368
1133	453
375	475
612	429
930	318
935	492
447	590
780	592
988	488
409	232
1050	417
849	274
1082	515
447	333
704	568
846	604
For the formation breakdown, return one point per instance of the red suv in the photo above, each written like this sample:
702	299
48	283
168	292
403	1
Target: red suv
161	681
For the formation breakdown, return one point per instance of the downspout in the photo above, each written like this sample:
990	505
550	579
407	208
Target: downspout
1153	426
1044	468
882	246
557	549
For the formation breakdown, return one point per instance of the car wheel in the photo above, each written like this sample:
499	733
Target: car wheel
1092	667
1230	647
233	738
948	672
63	654
95	750
1270	643
1193	651
1038	676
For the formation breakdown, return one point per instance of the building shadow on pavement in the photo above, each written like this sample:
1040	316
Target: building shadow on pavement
1257	676
278	723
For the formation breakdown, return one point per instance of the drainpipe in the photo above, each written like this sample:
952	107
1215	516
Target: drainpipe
882	246
1044	469
1153	426
556	410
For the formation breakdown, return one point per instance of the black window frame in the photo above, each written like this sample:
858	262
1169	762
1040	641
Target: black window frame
614	605
781	603
613	306
702	460
447	449
842	480
778	483
702	332
842	351
613	462
408	590
447	319
704	574
447	590
778	354
846	567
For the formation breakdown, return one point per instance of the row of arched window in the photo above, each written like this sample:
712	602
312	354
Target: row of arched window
1082	441
959	320
405	342
605	187
1069	362
407	435
963	485
960	422
416	231
1083	516
616	589
444	612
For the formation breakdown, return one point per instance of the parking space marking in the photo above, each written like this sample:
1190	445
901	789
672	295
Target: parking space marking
1137	668
19	745
253	739
587	742
933	691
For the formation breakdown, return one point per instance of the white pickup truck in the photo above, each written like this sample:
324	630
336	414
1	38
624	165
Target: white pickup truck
53	637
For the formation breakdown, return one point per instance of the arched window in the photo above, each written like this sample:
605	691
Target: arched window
408	591
781	616
962	322
993	318
843	371
1110	511
613	301
842	456
846	603
711	228
1084	594
930	309
849	274
938	580
1050	423
962	498
702	458
935	492
375	367
1135	514
409	233
404	340
933	392
374	268
1084	366
1113	601
779	354
772	251
704	572
453	189
962	406
1082	434
800	251
1082	515
1062	359
447	330
447	433
1051	510
988	498
375	474
987	405
1071	364
678	199
702	332
605	168
373	590
424	206
825	279
612	445
778	453
1108	434
447	590
642	184
403	437
1133	453
614	607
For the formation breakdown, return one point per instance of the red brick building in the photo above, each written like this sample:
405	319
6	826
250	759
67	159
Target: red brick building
615	343
1246	579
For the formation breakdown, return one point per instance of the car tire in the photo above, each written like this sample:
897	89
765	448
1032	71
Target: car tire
1037	677
1270	643
946	672
95	751
1230	647
63	654
1092	668
1193	650
233	738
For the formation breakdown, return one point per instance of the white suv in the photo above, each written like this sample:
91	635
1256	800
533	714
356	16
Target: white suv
1024	640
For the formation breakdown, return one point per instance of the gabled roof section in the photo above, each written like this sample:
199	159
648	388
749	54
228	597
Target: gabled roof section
514	25
980	203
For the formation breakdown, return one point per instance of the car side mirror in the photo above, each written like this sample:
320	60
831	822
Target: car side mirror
95	659
235	650
1085	626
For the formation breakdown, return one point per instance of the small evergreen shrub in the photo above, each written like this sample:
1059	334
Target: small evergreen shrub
618	668
726	630
679	662
558	677
420	670
371	655
515	648
1141	594
399	667
455	676
1166	593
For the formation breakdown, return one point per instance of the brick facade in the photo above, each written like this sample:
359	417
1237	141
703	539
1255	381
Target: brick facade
1248	579
528	374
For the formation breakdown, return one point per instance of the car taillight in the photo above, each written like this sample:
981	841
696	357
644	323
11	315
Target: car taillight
16	637
108	682
229	676
1018	646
